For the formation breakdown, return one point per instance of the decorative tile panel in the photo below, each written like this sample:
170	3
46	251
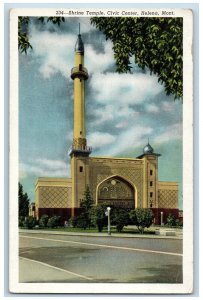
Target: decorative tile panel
168	198
55	197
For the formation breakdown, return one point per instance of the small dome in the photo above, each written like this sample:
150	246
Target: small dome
148	149
79	47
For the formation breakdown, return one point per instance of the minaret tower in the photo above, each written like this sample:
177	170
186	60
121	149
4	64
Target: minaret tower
79	74
79	151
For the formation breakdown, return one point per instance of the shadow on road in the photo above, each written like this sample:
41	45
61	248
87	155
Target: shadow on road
166	274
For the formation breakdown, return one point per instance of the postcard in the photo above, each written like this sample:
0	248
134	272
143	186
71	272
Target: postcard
101	151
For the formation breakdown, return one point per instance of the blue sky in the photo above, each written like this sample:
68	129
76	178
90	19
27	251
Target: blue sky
122	110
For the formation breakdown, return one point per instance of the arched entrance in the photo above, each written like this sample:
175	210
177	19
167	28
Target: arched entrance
116	192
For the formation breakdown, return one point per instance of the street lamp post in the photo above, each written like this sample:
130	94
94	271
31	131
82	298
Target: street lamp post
109	222
162	223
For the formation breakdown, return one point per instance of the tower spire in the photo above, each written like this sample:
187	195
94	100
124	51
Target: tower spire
79	74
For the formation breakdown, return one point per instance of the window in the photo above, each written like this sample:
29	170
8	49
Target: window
151	183
151	194
151	172
81	169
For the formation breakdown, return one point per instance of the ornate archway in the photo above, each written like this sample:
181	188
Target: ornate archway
116	192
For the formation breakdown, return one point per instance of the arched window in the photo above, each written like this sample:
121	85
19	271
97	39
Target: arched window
117	192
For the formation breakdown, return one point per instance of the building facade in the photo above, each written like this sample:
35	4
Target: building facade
119	182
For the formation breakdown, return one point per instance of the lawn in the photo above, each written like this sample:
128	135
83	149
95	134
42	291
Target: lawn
126	230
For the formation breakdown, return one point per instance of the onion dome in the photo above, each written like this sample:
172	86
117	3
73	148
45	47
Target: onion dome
148	149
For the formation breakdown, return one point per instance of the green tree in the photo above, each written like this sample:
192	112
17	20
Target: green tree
120	219
54	222
23	30
142	218
87	202
154	43
29	222
171	221
98	217
84	220
43	221
23	202
21	221
73	221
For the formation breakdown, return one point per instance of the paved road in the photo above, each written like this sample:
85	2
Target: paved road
63	258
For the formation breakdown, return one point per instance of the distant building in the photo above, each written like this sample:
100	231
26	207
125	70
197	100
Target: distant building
32	209
120	182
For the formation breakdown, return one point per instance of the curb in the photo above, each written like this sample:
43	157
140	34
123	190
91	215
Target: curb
114	235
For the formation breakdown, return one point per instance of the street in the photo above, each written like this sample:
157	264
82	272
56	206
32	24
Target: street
46	257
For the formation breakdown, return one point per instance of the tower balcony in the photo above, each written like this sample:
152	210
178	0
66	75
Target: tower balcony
79	72
82	151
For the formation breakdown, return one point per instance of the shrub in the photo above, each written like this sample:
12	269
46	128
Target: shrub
29	222
80	221
170	221
73	221
179	223
54	222
141	217
43	221
83	220
120	219
98	217
21	221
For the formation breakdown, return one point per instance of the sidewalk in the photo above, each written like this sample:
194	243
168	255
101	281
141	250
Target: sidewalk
178	233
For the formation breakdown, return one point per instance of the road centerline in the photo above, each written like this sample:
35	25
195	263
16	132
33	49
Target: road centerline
57	268
105	246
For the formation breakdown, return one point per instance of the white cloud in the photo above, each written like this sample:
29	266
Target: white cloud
126	116
99	62
51	164
123	124
152	108
129	139
167	106
121	114
69	136
173	132
124	89
103	115
55	50
100	139
124	110
43	167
